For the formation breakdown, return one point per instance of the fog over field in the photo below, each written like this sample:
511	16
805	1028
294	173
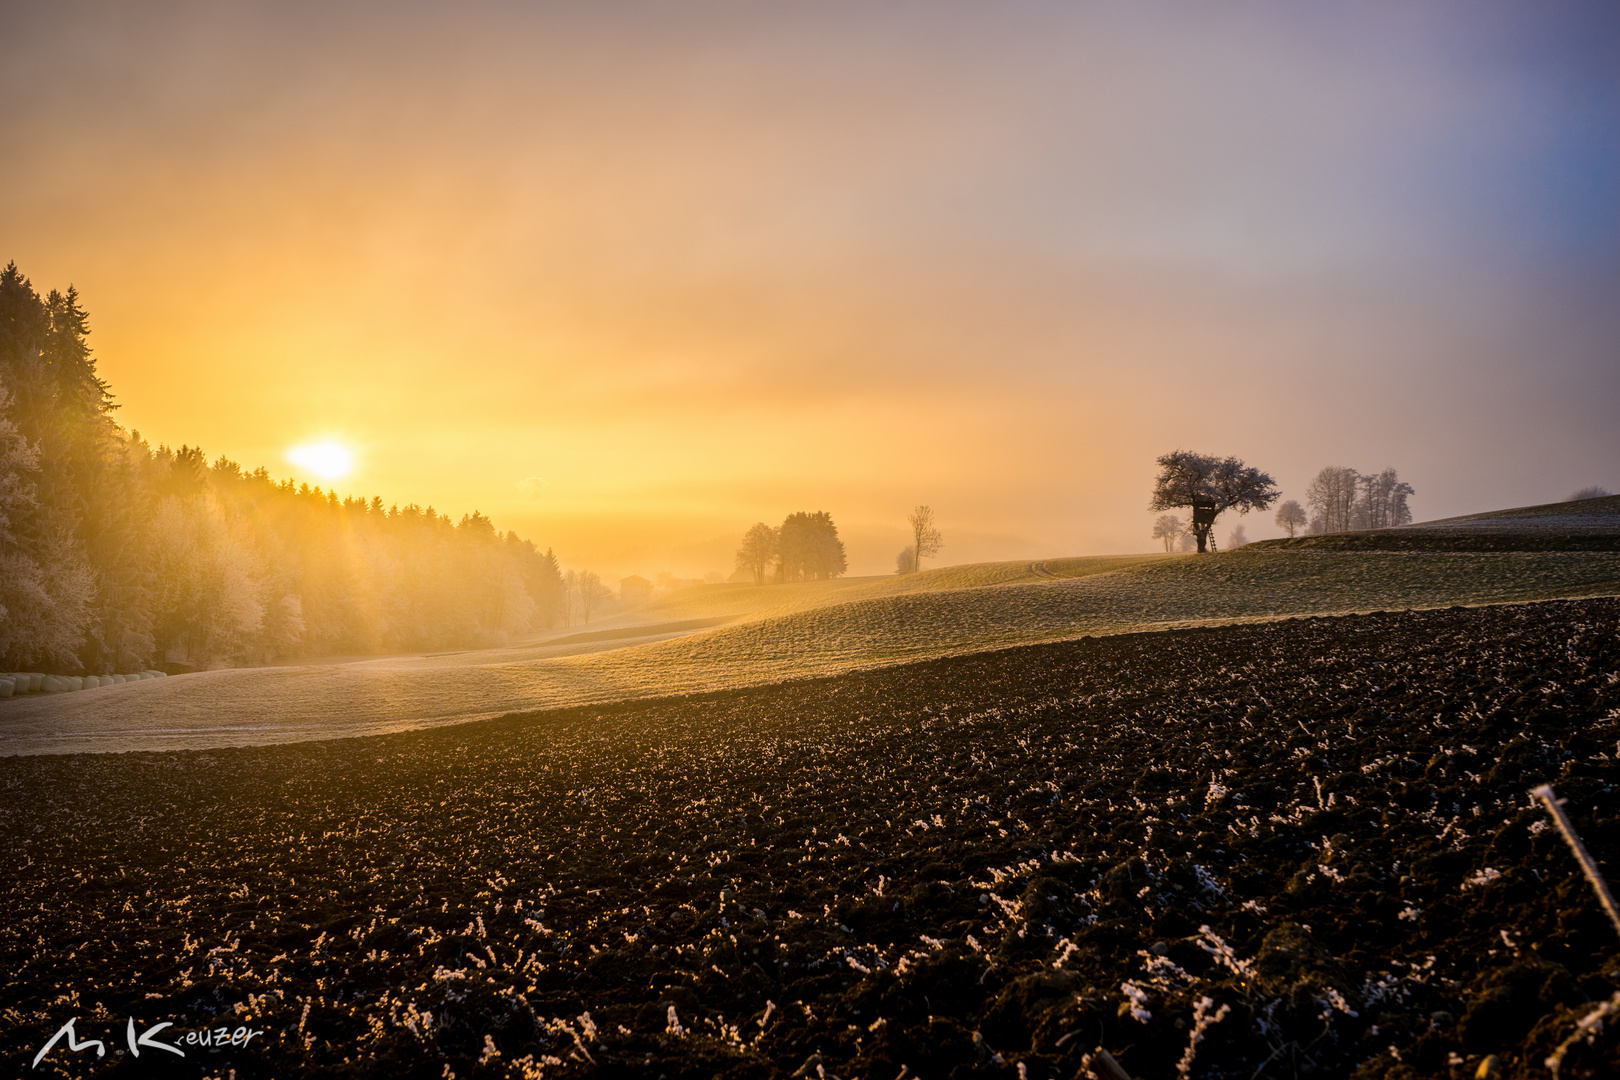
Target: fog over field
745	540
628	279
817	632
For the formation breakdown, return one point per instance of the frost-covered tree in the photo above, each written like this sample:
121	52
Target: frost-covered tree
1291	517
1382	503
925	537
1332	499
906	561
590	593
1342	499
1209	486
1236	538
1593	492
758	551
118	556
1168	528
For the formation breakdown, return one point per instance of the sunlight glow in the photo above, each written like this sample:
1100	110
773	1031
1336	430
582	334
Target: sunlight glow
329	459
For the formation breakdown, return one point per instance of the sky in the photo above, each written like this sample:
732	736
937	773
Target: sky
629	277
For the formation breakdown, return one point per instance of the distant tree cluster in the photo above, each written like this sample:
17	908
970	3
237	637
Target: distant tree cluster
805	547
1209	486
1342	499
116	557
1593	492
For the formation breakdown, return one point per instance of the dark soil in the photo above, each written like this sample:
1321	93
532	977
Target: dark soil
969	867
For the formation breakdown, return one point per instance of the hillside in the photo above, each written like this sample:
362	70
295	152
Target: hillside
831	628
1578	525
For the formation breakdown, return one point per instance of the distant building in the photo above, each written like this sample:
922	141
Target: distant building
634	590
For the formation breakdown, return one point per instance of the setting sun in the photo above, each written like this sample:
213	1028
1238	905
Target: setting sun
330	460
1112	502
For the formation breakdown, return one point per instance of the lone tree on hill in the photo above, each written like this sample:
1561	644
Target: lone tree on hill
758	550
808	548
925	538
1291	516
1169	529
1210	486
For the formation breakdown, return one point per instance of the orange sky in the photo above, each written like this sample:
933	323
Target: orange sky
695	268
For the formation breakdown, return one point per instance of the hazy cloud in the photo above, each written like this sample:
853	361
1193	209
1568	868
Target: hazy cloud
722	260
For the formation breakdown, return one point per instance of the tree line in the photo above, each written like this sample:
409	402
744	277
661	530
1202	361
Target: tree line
116	556
805	547
1340	498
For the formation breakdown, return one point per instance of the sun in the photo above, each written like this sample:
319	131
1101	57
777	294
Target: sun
328	459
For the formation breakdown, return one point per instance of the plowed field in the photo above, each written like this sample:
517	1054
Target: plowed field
1308	843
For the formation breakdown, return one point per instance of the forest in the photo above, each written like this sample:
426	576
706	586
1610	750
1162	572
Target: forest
117	556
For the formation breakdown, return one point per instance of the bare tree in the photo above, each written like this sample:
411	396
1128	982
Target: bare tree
1236	538
1332	499
1383	501
1342	499
1187	542
906	561
1210	486
592	594
1593	492
925	538
1169	529
570	596
1291	516
759	548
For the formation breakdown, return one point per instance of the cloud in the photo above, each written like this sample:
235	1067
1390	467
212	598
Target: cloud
531	486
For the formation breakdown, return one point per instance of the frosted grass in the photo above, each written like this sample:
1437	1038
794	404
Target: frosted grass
829	628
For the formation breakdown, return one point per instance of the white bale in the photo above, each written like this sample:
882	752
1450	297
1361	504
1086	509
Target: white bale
119	680
6	686
75	682
53	685
36	681
90	682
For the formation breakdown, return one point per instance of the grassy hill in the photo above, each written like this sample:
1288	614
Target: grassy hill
1577	525
791	631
